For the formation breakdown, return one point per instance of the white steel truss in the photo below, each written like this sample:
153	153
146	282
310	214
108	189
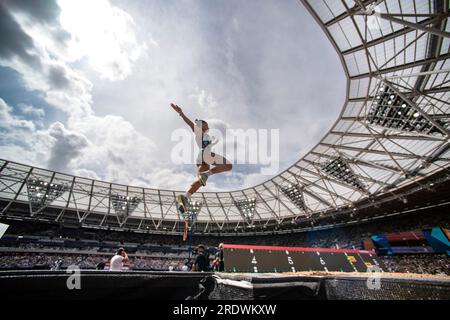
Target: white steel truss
393	131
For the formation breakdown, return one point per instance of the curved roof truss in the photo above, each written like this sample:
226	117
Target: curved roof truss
393	131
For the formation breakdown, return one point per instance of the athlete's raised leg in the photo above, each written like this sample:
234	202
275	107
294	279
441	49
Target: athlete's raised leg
197	183
221	164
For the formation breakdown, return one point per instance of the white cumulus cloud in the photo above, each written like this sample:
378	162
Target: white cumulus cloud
103	33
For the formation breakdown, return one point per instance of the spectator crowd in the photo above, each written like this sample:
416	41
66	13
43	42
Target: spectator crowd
418	263
36	245
16	261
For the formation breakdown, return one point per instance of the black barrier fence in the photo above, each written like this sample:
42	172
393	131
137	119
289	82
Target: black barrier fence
104	285
94	285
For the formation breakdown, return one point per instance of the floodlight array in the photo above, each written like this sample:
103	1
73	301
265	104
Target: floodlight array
340	170
389	110
124	205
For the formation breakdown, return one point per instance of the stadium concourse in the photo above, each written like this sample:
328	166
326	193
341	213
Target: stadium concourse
378	182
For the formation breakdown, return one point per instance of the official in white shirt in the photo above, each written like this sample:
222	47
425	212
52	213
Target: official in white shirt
118	260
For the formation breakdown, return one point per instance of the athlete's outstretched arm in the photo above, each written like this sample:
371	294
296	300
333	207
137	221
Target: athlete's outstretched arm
180	112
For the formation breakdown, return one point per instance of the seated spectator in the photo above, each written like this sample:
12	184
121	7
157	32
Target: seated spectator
100	266
185	268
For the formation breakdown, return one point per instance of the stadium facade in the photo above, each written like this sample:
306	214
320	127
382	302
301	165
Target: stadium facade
391	141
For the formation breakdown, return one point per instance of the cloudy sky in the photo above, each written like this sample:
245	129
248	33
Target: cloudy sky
85	85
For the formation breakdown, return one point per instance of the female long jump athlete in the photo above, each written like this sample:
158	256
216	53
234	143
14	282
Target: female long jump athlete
205	159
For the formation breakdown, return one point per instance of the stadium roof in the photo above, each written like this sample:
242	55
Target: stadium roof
393	131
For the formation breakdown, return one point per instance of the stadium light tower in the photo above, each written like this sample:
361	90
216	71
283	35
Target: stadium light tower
295	193
124	205
340	170
42	193
194	209
389	110
247	208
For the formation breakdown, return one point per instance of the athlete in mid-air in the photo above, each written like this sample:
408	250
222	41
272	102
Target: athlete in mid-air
205	159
